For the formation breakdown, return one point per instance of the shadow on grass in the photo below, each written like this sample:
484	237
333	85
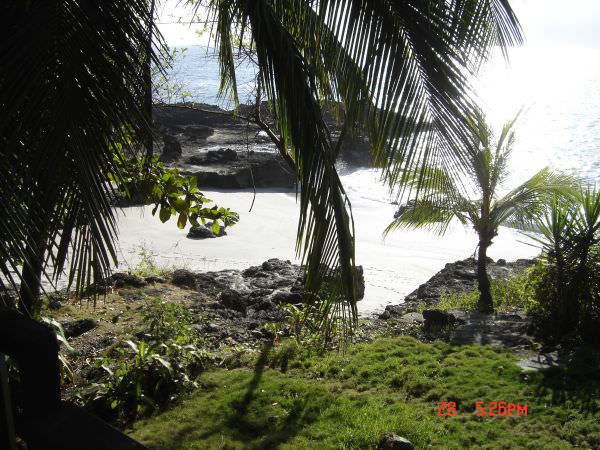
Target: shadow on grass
259	369
260	412
268	432
577	385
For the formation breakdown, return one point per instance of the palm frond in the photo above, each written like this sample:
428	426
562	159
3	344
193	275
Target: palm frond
72	82
414	55
522	204
424	213
400	71
325	230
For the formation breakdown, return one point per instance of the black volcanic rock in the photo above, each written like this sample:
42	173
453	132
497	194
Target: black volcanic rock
461	277
171	149
226	152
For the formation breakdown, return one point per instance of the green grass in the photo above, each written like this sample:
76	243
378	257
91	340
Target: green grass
513	292
341	401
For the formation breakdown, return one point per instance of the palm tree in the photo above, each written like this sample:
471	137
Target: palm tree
486	166
72	78
399	72
73	87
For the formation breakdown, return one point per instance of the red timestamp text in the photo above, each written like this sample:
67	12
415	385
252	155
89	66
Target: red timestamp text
490	409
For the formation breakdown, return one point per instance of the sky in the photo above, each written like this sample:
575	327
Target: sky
560	22
545	22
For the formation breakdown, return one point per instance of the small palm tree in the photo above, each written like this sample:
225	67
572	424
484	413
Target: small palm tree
486	167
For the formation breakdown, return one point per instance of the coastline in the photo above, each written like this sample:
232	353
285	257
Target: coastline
215	149
393	267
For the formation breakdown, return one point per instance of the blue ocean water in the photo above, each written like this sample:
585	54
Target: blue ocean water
557	89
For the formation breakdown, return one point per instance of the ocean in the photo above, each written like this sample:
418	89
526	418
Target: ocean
558	90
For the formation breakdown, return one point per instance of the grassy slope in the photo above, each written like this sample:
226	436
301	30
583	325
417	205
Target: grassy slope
349	400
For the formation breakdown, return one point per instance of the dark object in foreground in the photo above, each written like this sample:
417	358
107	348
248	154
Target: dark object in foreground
391	441
205	232
434	318
74	328
41	419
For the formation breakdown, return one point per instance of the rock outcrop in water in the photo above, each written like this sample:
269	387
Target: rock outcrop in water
457	277
229	153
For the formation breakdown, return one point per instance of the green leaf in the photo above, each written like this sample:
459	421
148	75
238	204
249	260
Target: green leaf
132	344
178	204
165	213
216	228
165	363
182	221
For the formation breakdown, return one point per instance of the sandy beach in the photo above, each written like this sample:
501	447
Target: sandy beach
393	267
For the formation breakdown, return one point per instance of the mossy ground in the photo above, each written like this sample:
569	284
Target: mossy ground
290	400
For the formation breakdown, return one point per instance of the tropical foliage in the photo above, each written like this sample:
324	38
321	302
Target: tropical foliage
487	168
141	377
397	71
567	287
75	76
74	115
73	87
149	181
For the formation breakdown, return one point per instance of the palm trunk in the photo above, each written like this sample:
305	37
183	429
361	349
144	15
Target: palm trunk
485	303
31	281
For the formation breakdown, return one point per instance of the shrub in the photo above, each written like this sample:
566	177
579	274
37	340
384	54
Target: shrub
567	287
319	325
513	292
143	377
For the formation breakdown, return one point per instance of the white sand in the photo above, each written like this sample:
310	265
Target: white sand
393	268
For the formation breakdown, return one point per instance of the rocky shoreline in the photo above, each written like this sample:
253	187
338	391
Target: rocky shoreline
225	152
455	278
233	305
239	301
232	308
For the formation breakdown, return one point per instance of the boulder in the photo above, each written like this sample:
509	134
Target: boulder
183	277
385	315
154	279
466	273
434	318
205	232
412	317
274	265
395	311
171	149
391	441
282	297
221	156
55	300
232	299
258	169
198	132
200	232
121	279
74	328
